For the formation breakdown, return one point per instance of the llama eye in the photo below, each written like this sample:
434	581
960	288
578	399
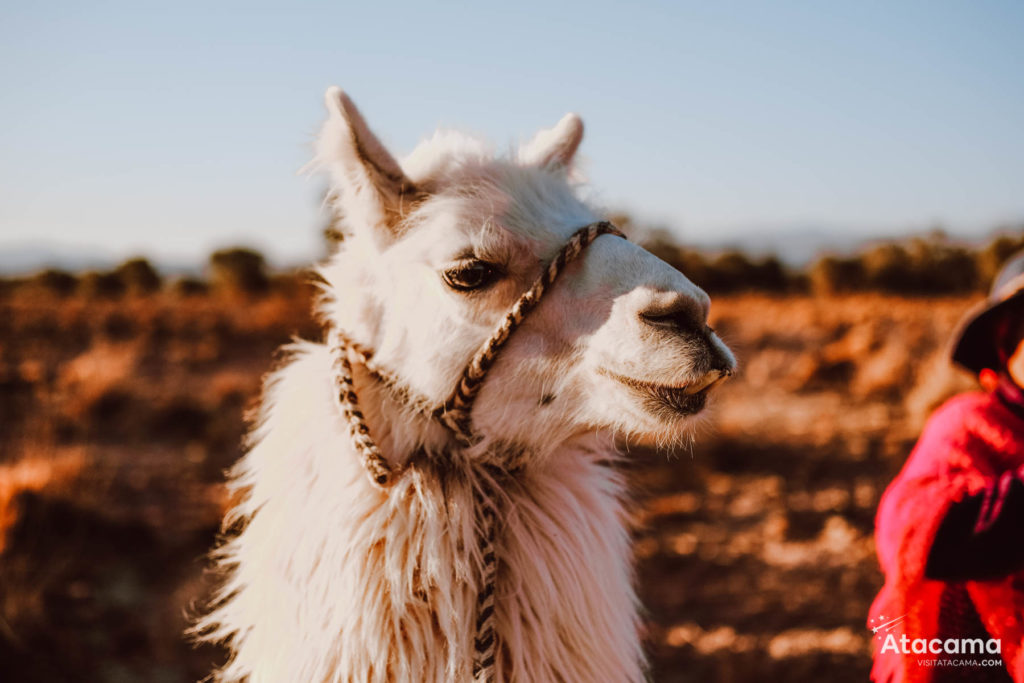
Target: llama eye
470	275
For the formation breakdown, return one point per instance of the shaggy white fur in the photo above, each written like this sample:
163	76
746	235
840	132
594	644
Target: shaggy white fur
332	579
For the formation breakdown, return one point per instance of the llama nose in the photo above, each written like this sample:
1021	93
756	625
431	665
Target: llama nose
678	314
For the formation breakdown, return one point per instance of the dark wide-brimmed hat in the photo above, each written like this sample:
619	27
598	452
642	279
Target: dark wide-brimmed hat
975	344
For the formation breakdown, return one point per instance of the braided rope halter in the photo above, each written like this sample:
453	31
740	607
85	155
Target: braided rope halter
456	415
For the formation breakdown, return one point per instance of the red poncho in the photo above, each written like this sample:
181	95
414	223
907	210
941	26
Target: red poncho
966	445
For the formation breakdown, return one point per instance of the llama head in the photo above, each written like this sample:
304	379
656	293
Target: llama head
438	247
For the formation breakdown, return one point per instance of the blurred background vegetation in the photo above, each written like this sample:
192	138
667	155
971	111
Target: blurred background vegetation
933	264
123	395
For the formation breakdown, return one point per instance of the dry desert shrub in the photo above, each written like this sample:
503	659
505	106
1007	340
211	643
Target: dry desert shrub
139	276
55	281
239	270
93	378
52	471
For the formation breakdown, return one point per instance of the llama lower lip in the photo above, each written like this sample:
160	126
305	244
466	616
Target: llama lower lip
679	401
687	399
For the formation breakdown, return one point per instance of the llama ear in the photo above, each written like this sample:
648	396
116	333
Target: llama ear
370	186
554	146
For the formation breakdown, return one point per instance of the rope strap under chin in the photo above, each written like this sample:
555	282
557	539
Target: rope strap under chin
455	414
374	462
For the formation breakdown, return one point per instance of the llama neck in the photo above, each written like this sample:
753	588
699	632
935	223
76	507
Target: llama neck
396	573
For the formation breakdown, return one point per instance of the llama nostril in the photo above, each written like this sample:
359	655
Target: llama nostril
659	319
678	317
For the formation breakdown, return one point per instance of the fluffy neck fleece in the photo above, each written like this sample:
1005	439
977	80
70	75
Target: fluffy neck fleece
331	579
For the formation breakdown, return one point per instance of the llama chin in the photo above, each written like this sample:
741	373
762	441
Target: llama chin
334	578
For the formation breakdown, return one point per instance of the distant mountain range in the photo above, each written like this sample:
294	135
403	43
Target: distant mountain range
30	257
795	246
801	245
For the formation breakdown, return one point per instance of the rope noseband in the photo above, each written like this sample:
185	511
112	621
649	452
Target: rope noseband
455	414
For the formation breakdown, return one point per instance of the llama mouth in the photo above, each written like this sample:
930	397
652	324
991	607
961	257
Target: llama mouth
687	399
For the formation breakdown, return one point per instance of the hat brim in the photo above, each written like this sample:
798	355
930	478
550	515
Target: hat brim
974	343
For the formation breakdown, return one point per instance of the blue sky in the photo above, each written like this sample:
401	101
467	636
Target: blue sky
171	129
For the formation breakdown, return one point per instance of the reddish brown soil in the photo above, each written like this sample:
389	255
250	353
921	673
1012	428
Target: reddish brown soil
117	419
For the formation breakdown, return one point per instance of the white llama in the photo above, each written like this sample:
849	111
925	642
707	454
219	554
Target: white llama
333	578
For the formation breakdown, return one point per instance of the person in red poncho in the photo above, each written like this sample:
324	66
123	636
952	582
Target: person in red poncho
950	527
